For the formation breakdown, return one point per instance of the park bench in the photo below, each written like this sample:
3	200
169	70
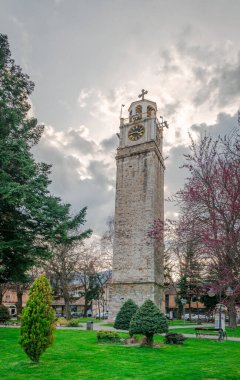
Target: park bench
210	331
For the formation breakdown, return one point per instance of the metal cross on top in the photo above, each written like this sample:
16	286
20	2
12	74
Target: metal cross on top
144	92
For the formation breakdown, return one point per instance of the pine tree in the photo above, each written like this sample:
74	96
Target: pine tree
148	320
125	315
4	314
37	322
30	216
25	202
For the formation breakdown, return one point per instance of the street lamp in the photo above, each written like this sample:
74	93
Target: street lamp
212	293
229	291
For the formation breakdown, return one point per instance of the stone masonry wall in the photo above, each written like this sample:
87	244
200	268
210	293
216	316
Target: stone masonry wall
120	293
137	265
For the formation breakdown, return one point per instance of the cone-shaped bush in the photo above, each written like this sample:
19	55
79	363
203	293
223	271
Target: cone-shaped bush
37	321
148	320
125	315
4	314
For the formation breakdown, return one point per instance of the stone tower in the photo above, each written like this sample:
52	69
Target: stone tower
137	265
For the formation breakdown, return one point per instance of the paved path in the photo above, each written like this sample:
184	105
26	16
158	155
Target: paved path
100	326
232	338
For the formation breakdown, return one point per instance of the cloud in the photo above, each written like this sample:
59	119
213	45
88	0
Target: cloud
78	142
110	144
224	124
82	172
176	174
191	80
83	96
191	84
229	83
215	71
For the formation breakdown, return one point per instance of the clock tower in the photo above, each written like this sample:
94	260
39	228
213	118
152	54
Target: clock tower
138	269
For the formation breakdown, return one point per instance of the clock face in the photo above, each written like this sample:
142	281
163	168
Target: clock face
136	132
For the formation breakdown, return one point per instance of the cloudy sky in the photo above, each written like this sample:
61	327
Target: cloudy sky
87	57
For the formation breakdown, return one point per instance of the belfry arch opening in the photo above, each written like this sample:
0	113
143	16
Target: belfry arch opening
139	111
150	111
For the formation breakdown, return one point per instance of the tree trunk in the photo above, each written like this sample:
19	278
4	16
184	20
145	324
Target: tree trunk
85	309
149	340
67	302
3	288
19	291
99	309
190	309
87	306
232	315
197	311
179	311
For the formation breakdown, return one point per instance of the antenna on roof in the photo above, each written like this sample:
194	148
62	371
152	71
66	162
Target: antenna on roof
163	123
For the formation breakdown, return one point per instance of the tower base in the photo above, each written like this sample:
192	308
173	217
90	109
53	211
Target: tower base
138	292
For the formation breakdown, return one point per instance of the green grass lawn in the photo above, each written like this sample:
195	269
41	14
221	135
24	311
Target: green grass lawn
230	332
76	356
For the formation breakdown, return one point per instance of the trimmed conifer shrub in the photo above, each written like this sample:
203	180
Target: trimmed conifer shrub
125	315
148	320
37	321
108	336
174	338
4	314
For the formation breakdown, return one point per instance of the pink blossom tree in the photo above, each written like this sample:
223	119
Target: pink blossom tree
211	201
182	259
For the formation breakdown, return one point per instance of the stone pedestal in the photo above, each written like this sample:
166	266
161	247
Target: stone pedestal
217	317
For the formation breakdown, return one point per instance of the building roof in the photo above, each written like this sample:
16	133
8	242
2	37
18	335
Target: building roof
140	101
61	302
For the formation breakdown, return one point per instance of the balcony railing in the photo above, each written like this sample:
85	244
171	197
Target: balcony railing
143	116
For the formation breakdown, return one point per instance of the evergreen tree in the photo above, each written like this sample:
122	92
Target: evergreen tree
37	322
125	315
4	314
23	182
148	320
29	216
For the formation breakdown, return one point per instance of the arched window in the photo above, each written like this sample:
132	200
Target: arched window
139	111
150	111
